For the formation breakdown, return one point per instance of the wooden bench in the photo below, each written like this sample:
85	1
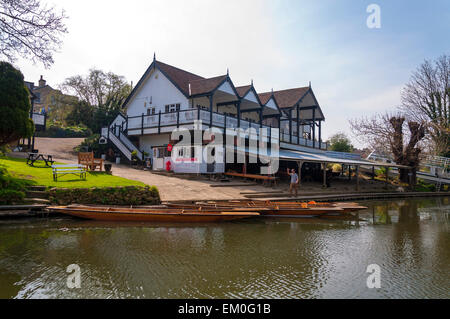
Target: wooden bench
75	169
264	178
87	159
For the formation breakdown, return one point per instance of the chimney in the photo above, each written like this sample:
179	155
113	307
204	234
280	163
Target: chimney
41	82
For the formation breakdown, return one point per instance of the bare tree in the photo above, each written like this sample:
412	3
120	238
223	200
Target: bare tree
375	132
30	29
98	88
385	133
426	98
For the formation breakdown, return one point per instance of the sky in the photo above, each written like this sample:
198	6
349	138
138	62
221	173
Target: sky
354	70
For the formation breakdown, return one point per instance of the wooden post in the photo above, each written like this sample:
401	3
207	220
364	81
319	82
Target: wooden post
290	126
238	111
373	172
314	127
320	134
210	110
178	118
159	122
349	173
260	117
324	167
357	178
142	124
299	164
298	125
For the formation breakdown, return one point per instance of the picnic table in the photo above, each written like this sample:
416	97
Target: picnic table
64	169
33	157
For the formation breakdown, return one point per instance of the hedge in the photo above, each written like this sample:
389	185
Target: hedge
127	195
64	131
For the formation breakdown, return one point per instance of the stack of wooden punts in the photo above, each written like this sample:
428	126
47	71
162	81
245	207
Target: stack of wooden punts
280	209
210	211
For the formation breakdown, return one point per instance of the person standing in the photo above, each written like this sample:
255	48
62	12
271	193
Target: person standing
294	181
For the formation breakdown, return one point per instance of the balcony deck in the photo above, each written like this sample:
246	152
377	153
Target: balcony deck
167	122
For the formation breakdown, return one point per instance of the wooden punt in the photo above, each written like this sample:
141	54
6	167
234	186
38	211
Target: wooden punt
148	214
264	208
346	206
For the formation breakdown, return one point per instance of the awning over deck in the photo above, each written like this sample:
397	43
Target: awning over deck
298	156
288	155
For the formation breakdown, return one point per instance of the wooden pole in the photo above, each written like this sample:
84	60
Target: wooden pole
357	178
299	164
324	165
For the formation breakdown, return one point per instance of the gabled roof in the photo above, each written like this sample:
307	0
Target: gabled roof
290	97
38	88
243	90
180	77
264	97
205	86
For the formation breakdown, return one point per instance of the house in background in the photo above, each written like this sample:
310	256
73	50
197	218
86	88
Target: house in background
47	98
39	120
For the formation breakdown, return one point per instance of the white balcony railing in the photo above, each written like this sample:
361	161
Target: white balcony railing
218	120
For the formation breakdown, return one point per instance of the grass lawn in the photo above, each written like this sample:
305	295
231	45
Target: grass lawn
42	175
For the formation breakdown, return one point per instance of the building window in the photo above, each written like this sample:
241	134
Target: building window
151	111
171	108
38	97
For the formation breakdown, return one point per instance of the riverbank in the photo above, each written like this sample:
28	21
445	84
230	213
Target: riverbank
174	187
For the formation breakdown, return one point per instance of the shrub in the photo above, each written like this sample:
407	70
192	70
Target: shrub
336	167
91	144
422	186
129	195
56	129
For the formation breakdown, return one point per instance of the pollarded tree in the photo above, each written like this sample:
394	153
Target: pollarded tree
387	132
15	122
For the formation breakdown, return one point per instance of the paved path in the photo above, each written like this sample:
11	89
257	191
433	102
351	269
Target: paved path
170	188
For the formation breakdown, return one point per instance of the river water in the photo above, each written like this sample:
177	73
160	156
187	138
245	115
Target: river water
260	258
